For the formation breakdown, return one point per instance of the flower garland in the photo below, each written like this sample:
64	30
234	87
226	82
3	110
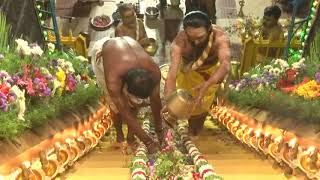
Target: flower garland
204	170
139	166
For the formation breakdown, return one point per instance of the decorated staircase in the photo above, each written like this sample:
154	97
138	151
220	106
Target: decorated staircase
229	158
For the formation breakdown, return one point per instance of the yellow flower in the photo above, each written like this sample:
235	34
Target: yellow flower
308	90
61	77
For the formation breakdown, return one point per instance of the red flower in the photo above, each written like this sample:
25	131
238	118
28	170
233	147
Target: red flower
286	83
5	88
30	89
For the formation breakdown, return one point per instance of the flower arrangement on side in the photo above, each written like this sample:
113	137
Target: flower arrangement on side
30	77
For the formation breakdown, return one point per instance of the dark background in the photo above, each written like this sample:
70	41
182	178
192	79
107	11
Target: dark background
21	16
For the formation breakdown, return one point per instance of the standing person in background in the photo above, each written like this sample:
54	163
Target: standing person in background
130	25
206	6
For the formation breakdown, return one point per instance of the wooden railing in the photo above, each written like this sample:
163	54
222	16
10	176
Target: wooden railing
78	43
259	51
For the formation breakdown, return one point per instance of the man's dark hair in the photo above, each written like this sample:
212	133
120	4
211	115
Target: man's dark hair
274	11
196	19
125	7
140	83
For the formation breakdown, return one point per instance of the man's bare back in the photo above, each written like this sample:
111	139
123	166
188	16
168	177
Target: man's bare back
120	56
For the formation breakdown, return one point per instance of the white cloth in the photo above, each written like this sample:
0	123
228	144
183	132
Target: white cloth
98	69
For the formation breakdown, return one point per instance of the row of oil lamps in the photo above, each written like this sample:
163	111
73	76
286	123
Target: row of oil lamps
283	148
64	149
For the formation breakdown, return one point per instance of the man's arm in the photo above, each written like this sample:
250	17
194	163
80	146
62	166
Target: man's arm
144	37
224	54
176	56
156	107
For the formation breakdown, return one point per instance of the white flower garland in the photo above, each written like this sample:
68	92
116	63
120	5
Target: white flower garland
202	165
139	173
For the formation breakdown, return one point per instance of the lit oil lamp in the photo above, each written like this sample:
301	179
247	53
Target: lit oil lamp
81	145
85	143
222	115
240	131
290	153
230	123
26	172
254	140
73	149
219	110
248	133
275	148
50	166
308	162
226	119
62	153
99	130
89	135
234	127
263	143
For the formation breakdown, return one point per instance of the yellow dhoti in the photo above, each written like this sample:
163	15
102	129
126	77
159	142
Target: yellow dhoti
190	79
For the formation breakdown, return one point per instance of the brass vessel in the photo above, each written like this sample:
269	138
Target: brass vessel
151	46
235	70
178	106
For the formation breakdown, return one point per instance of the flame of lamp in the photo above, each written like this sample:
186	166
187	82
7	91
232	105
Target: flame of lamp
248	133
81	145
240	132
63	155
226	119
73	149
26	172
230	123
308	162
49	166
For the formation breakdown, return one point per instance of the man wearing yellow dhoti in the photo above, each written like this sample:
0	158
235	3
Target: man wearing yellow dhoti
200	58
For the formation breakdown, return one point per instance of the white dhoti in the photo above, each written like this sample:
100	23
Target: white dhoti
98	69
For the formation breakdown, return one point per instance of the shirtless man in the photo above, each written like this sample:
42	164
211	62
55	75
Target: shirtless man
200	61
271	30
129	77
130	25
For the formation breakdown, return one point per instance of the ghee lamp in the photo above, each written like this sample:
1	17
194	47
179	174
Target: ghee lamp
234	127
226	119
50	166
275	148
248	133
265	142
92	139
62	153
230	123
74	150
240	132
222	115
290	153
308	162
254	140
99	130
26	172
81	145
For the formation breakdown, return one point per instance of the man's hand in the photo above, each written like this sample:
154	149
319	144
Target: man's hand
201	89
153	148
160	137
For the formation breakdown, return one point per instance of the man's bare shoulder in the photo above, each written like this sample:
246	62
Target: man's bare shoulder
180	39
